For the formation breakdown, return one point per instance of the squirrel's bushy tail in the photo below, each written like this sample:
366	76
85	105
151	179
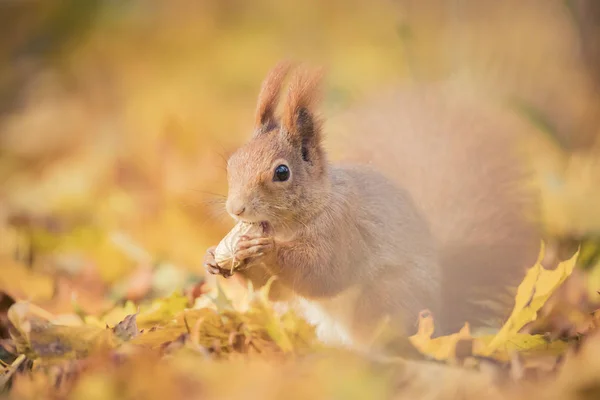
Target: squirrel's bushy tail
458	156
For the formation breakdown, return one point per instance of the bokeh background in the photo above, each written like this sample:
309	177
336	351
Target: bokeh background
116	117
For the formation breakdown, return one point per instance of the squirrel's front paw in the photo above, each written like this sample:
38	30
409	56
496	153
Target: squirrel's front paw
252	247
210	265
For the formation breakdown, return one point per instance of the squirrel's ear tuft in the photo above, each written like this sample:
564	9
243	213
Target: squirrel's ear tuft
300	121
269	97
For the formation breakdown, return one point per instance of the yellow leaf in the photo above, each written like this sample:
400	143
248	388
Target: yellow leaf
162	310
117	314
532	294
440	348
523	343
36	336
221	301
23	283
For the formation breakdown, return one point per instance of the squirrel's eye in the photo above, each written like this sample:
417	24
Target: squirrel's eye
282	173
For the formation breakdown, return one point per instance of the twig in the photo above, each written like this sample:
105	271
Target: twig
5	377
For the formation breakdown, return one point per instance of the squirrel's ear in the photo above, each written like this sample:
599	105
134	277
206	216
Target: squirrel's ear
300	121
269	97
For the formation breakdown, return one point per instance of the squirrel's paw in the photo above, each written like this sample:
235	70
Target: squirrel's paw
253	247
210	265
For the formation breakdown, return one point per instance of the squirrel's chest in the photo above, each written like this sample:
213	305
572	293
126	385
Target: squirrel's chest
333	318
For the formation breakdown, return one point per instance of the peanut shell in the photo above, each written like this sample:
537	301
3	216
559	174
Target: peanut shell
225	251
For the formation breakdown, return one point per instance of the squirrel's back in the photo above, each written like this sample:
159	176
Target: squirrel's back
458	157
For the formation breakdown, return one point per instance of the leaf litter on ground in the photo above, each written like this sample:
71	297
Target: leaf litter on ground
209	349
199	342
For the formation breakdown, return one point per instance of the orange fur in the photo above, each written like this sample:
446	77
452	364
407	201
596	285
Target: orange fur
269	95
425	209
304	93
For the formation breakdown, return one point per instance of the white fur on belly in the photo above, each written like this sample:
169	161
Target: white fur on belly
331	317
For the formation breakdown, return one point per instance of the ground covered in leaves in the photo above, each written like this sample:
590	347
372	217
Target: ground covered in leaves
200	343
115	121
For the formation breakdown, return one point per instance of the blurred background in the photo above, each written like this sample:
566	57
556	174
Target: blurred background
116	117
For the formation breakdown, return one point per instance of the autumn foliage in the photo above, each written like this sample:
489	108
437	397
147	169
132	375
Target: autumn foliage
115	122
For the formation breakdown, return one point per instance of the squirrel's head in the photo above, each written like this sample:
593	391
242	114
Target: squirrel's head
280	176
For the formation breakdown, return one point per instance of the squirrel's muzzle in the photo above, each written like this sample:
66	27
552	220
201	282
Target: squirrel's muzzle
235	207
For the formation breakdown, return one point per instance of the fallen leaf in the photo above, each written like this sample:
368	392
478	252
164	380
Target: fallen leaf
127	329
533	292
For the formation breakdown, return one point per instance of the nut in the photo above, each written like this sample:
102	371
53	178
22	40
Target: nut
225	251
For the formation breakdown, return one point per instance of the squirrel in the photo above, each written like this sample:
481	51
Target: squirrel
425	210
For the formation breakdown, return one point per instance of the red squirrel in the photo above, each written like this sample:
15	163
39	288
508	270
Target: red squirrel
424	210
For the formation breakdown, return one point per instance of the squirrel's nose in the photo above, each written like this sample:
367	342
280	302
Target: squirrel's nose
239	211
235	208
